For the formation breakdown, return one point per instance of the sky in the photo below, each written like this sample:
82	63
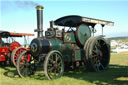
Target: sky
20	15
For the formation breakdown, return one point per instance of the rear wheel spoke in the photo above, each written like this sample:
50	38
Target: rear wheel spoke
102	66
97	67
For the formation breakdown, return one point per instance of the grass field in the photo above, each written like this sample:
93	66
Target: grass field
116	74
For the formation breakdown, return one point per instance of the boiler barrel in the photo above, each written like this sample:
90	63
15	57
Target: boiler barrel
42	46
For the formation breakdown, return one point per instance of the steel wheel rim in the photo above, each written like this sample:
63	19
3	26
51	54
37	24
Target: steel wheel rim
24	66
99	55
54	66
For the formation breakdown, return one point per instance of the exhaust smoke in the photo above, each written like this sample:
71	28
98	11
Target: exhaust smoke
26	3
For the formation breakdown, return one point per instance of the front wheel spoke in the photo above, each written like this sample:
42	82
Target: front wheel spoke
31	70
51	72
23	71
94	56
59	69
58	65
55	72
94	51
50	65
57	59
26	71
51	59
21	66
51	69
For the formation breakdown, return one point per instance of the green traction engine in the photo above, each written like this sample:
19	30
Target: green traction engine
67	44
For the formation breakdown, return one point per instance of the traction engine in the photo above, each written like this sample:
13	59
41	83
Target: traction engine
61	49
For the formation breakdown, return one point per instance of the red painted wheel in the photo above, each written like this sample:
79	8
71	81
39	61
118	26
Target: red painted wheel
16	53
14	45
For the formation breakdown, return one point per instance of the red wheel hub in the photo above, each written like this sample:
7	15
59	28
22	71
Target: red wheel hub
14	45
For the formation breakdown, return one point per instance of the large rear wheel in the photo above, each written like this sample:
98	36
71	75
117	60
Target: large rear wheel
97	53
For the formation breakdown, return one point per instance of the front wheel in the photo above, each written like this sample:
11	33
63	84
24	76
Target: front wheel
25	64
54	65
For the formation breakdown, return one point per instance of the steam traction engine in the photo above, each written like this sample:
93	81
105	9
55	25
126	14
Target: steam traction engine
60	49
6	48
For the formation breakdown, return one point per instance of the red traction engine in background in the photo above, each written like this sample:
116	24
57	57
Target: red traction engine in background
8	45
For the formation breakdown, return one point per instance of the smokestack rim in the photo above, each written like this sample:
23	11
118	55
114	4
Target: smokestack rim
39	7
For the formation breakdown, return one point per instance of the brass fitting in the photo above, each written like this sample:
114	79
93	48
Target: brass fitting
39	7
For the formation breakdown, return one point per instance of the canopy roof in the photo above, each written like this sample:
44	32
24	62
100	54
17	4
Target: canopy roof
12	34
75	20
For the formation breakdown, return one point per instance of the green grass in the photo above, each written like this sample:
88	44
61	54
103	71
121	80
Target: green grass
116	74
125	40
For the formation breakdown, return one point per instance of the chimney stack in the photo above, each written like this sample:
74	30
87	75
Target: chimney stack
39	29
